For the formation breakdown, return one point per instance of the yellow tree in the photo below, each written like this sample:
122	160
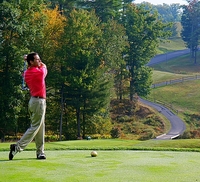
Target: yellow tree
53	28
50	44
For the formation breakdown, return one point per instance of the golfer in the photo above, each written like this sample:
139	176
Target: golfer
35	79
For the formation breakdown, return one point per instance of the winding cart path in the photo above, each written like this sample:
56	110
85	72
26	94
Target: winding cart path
177	125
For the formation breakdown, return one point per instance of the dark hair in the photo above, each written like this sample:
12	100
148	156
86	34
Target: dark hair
30	57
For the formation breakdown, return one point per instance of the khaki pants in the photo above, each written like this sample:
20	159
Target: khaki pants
37	110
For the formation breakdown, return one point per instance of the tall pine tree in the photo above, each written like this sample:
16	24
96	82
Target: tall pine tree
80	66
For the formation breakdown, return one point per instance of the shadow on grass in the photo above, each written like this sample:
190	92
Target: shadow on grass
24	159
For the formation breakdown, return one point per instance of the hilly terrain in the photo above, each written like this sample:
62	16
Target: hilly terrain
137	121
133	120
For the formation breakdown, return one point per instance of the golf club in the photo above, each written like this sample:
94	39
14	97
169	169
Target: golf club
24	87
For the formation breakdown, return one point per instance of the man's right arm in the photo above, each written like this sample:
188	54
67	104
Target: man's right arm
44	68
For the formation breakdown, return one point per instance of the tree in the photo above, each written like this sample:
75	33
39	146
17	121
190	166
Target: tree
169	13
80	67
114	44
11	66
97	101
191	30
143	29
64	6
104	9
121	81
176	29
21	25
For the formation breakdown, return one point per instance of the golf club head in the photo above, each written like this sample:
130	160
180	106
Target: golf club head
25	57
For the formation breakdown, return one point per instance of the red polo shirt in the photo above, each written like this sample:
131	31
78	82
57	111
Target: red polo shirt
35	80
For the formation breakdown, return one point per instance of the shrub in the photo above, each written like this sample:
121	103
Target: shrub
147	134
125	119
186	135
115	132
99	136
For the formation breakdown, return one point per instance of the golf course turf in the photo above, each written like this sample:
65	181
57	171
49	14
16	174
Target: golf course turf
110	165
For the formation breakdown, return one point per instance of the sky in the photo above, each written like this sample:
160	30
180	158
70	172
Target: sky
156	2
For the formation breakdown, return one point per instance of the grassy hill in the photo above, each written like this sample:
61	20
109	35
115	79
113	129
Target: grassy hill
133	121
170	45
183	97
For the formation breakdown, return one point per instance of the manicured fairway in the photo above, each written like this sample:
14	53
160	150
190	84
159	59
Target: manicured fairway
108	166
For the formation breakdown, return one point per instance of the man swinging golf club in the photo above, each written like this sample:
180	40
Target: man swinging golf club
35	79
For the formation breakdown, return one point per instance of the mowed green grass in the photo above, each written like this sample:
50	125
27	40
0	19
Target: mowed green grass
116	144
112	166
184	97
117	161
171	45
163	76
182	65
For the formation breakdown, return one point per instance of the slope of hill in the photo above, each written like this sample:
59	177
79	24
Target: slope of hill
183	97
170	45
133	120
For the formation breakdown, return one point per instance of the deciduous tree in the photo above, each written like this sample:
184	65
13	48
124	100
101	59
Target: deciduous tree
143	29
20	28
191	29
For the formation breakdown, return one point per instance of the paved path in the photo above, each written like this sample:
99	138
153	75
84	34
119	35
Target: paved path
165	57
177	125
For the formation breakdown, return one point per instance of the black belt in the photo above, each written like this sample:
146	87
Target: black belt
38	97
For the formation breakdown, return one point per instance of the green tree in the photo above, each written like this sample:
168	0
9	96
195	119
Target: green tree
18	31
97	101
169	13
176	29
80	67
11	66
99	126
191	30
121	81
143	29
65	6
104	9
114	44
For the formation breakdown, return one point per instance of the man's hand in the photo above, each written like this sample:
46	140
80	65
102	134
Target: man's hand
25	57
42	65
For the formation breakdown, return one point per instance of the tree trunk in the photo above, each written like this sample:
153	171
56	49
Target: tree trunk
61	114
131	90
84	121
78	123
120	85
195	56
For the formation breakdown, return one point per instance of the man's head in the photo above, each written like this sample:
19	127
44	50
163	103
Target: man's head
33	59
